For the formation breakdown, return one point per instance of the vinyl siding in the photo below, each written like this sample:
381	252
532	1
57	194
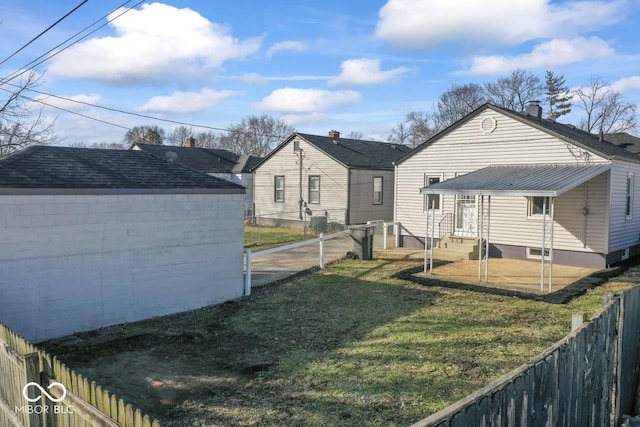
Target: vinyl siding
467	149
361	204
623	232
333	183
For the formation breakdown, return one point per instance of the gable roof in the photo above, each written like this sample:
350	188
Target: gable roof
207	160
624	140
568	133
352	153
71	169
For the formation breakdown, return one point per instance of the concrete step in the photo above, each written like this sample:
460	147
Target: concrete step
455	253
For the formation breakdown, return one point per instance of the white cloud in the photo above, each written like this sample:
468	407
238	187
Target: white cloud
548	54
304	119
365	71
187	102
627	83
158	40
68	103
297	101
425	23
286	46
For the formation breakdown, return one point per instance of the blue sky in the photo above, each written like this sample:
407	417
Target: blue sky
356	65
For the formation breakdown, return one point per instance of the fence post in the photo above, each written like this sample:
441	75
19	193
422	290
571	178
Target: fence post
577	319
247	275
396	233
384	236
321	241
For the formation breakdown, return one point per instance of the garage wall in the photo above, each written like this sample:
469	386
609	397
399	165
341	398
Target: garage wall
75	263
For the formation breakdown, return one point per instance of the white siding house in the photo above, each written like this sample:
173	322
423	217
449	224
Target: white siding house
91	238
592	224
347	180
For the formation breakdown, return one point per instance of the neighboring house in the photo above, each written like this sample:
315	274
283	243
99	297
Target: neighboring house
212	161
90	238
347	180
528	166
624	140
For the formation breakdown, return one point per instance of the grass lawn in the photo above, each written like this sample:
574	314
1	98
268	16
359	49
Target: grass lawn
259	238
348	346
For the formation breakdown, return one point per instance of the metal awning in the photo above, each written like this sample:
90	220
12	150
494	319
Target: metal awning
519	180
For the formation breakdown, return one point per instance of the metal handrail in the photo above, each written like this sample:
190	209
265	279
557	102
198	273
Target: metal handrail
445	223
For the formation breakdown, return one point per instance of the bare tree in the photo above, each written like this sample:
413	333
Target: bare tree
604	108
20	126
418	126
100	145
515	91
178	136
255	135
145	135
355	135
207	139
558	96
457	102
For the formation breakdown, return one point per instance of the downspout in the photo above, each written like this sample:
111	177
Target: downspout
347	214
300	185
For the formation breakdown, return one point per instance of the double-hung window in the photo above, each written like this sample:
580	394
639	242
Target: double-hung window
628	197
431	201
278	191
314	189
377	190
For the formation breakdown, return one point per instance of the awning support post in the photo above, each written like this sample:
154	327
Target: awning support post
486	254
480	226
552	201
426	234
433	231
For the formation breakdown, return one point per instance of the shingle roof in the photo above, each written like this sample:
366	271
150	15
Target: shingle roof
519	180
354	153
624	140
49	167
567	132
208	160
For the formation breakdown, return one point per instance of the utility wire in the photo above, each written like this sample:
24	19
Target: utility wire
43	32
20	71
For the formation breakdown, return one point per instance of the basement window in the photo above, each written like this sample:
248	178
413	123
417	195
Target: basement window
536	253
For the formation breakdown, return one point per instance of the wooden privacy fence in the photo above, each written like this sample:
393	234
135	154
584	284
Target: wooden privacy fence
586	379
80	403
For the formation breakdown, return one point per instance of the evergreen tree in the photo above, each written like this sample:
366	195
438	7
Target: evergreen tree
558	95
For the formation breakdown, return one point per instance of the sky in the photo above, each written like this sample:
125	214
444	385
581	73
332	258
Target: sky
349	65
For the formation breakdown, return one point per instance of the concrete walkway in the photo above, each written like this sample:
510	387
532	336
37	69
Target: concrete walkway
274	267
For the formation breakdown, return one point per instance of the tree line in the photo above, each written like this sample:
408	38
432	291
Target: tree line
598	105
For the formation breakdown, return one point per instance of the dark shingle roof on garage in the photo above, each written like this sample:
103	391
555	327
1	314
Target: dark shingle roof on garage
66	168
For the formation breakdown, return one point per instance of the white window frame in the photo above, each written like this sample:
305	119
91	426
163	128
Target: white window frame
311	190
381	191
538	254
427	197
628	197
530	206
276	189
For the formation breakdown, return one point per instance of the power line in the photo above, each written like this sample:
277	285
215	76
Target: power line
43	32
33	63
68	111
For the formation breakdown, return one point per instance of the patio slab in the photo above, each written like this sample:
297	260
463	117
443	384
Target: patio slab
517	275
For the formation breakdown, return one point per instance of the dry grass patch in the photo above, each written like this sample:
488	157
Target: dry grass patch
347	346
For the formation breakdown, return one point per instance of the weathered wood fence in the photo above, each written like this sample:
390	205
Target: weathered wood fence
85	403
586	379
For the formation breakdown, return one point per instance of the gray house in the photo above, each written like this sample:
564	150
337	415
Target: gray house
347	180
90	238
212	161
533	188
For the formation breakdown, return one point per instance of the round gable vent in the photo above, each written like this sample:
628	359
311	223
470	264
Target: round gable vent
488	125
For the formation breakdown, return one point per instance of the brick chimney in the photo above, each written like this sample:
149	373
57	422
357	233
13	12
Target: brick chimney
190	142
334	134
534	109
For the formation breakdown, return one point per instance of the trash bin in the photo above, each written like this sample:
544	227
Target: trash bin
362	236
